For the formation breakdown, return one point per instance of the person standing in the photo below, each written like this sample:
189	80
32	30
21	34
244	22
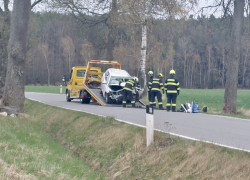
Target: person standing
127	92
157	87
172	88
149	84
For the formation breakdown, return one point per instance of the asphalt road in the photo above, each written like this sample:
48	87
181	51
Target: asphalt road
224	131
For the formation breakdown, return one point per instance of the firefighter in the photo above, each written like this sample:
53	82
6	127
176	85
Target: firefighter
127	91
172	90
157	87
151	76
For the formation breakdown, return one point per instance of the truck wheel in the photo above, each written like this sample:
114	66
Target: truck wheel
68	96
107	99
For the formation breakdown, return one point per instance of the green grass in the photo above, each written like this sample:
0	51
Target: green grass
45	89
118	149
64	144
213	99
27	152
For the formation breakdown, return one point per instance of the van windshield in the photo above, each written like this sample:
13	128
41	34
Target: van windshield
114	80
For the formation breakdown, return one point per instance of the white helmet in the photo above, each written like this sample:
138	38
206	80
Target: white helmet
136	79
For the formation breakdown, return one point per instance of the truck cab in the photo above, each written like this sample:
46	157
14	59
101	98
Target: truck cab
75	87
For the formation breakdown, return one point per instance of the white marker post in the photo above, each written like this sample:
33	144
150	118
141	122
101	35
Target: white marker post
150	124
61	89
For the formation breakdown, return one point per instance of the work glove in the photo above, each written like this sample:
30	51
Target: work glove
178	92
163	91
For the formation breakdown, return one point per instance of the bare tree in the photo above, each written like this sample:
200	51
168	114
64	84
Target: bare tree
93	13
4	37
45	52
69	50
139	11
17	49
230	98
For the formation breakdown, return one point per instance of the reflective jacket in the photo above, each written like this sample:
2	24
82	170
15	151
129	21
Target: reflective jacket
172	85
150	83
129	85
157	85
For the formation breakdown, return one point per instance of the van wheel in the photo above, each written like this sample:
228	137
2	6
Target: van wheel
68	96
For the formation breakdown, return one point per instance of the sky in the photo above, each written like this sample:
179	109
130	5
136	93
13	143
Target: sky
202	3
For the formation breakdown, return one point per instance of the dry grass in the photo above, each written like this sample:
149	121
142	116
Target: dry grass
119	150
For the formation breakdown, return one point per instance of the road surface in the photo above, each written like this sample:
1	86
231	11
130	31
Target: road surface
224	131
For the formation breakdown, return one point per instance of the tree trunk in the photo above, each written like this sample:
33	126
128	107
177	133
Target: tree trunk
17	49
47	64
4	38
144	52
230	97
112	24
223	66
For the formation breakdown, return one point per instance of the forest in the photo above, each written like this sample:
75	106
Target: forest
197	48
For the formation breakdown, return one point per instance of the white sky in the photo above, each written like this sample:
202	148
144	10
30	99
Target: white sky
202	3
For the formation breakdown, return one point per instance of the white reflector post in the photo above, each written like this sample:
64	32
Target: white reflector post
150	124
60	88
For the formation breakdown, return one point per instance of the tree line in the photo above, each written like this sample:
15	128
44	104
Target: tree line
197	48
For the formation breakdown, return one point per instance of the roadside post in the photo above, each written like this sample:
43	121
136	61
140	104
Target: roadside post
61	89
149	124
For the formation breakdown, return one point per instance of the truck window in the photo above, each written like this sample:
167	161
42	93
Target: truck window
80	73
70	76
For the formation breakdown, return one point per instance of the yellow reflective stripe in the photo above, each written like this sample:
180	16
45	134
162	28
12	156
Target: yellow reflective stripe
127	89
173	104
132	102
160	103
171	91
178	88
173	80
168	104
169	83
157	89
161	84
156	82
149	82
154	102
151	102
178	84
155	79
130	83
123	101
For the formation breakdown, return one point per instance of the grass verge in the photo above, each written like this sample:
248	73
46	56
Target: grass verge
112	148
27	152
45	89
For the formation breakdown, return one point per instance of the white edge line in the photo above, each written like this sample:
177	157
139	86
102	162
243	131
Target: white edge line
173	134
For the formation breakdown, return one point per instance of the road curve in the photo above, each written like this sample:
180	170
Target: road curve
224	131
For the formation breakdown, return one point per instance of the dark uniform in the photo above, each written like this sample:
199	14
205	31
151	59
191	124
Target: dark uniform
150	87
157	87
127	92
172	89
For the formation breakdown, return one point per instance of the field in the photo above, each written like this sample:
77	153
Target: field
212	98
56	143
